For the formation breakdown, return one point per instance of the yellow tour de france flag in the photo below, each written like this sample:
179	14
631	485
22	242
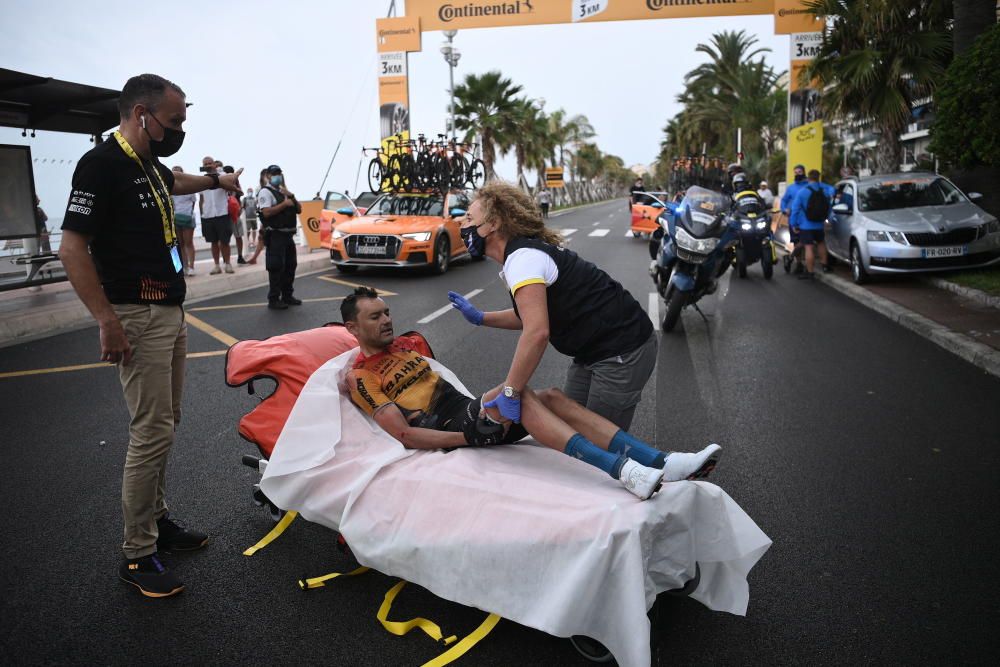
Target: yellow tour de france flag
805	147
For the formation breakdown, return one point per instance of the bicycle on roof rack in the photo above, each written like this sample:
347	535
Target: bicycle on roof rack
422	164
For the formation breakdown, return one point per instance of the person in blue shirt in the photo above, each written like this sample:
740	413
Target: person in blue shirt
810	221
793	228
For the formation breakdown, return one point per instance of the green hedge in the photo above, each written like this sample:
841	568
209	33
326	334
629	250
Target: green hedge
966	129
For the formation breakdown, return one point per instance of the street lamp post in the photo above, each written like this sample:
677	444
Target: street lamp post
451	56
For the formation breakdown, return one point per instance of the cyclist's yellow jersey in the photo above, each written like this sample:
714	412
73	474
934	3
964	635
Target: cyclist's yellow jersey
402	377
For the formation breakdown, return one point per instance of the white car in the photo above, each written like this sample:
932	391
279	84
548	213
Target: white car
909	222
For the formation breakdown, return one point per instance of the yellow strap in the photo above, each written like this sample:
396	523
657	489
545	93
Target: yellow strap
402	627
274	534
169	234
470	640
318	582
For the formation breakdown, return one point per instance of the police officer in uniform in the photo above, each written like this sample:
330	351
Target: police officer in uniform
560	298
277	208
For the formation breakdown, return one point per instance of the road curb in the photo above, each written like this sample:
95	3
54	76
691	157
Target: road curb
970	293
29	326
976	353
563	211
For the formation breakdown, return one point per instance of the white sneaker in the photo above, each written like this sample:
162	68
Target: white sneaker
189	271
229	268
691	465
639	479
215	271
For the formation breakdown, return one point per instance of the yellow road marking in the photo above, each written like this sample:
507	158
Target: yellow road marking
344	282
205	327
258	305
84	367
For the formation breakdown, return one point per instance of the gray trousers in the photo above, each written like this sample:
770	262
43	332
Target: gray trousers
612	387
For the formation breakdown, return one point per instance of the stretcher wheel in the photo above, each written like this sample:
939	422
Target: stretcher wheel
591	649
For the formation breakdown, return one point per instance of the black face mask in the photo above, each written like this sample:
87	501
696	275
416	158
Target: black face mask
170	144
799	178
473	241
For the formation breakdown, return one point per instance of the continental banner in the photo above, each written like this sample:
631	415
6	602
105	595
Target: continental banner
790	16
463	15
400	33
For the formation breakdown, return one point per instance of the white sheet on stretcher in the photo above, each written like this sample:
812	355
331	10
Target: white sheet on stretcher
519	530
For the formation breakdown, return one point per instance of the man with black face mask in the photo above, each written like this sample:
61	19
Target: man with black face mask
120	250
277	208
793	222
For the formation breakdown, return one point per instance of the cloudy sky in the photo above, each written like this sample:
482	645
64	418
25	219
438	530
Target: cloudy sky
283	82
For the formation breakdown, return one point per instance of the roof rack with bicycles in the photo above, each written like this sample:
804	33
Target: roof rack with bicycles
424	165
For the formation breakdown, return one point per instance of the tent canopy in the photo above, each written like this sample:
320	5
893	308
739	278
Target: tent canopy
43	103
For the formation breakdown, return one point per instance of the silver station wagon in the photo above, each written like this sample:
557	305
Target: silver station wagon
909	222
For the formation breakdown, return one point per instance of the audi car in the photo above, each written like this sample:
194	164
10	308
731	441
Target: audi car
399	229
909	222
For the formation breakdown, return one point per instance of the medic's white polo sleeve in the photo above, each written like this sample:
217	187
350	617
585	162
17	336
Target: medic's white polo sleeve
529	266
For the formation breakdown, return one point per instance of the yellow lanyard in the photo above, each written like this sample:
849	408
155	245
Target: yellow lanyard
169	234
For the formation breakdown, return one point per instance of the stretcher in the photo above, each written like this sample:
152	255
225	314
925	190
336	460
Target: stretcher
518	531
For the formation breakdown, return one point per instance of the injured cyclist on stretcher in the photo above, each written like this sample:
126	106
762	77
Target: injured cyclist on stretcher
398	388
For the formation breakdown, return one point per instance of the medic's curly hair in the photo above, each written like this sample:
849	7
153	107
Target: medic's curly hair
514	212
349	306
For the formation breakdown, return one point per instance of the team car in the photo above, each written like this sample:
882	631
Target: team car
647	207
397	229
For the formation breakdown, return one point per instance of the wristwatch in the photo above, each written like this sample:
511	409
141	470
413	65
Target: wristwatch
510	392
215	181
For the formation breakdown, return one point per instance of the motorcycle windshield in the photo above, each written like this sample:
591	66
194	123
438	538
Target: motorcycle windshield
703	212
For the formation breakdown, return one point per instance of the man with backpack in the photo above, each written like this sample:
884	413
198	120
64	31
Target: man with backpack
810	210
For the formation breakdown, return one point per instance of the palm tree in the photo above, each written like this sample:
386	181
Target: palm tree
486	105
876	58
532	141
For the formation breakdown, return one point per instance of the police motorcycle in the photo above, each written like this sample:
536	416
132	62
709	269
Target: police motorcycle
691	250
755	241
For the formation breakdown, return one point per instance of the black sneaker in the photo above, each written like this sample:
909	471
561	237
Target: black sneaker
277	305
150	576
827	268
292	301
175	537
240	260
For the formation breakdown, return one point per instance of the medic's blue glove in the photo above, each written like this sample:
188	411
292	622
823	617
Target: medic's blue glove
510	408
469	312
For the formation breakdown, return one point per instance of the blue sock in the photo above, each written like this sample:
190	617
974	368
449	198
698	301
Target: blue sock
628	445
580	448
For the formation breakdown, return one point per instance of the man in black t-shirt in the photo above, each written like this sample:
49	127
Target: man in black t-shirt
119	247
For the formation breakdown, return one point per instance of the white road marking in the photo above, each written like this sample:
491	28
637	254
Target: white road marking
567	232
628	232
654	310
599	232
441	311
596	223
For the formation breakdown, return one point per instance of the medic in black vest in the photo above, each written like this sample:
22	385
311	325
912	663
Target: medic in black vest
560	298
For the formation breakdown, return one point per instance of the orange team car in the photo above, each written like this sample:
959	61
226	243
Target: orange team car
397	229
646	208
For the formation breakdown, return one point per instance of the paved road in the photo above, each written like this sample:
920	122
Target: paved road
869	456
